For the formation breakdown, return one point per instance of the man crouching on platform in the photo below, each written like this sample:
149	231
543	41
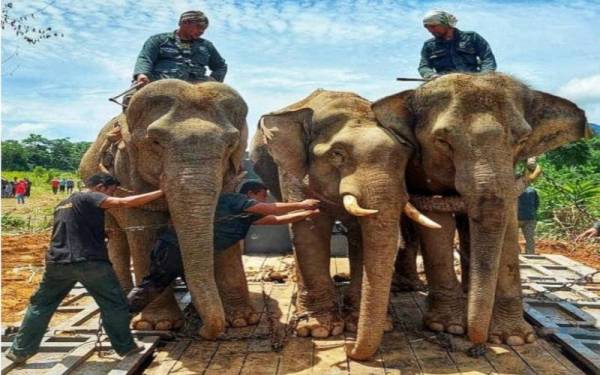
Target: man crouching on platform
234	215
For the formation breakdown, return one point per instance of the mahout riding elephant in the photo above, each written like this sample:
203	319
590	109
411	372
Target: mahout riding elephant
470	131
195	137
329	146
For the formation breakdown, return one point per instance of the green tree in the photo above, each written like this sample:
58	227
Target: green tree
14	156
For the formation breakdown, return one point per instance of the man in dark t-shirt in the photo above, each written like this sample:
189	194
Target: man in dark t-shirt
77	253
234	215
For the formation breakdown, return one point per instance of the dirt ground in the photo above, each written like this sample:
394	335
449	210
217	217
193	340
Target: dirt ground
22	268
23	261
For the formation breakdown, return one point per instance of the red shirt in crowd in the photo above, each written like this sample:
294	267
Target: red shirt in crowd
55	184
21	188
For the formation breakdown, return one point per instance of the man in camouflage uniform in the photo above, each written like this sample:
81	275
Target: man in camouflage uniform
452	50
181	54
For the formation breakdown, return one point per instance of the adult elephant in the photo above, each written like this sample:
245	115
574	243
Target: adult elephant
329	146
195	136
470	131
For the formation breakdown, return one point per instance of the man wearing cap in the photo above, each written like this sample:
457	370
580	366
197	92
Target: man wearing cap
77	253
452	50
180	54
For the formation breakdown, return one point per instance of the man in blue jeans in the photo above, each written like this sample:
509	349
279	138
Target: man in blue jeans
77	253
233	217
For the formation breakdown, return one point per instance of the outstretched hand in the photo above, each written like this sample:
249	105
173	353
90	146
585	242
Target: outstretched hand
310	204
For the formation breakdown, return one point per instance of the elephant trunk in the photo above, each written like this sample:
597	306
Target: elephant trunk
380	233
378	268
487	223
192	192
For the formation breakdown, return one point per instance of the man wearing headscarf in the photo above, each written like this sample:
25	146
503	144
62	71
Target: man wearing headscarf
452	50
180	54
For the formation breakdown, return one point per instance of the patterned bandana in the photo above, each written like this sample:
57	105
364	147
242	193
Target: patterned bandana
193	16
439	17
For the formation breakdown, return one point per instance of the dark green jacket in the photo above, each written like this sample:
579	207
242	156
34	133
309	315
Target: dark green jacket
165	56
466	52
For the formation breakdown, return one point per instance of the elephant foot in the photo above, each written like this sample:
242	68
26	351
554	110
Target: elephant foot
445	312
508	325
240	314
351	321
320	325
407	284
159	318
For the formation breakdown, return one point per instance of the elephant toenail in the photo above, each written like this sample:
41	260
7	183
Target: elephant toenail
302	331
530	338
320	332
456	329
239	322
515	341
143	325
436	327
163	325
495	339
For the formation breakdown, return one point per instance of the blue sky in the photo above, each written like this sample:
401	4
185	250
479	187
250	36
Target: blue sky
280	51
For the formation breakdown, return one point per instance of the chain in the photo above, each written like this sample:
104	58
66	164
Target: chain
583	280
99	334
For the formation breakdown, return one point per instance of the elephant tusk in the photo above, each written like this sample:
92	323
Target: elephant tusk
415	215
351	205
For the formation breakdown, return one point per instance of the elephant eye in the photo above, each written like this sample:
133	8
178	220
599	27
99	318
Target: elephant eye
443	144
337	157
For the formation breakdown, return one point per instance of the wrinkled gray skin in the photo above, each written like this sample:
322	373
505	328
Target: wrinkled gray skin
328	146
471	130
195	136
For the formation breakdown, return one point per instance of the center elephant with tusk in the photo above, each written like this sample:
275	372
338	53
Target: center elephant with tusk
470	131
329	146
195	136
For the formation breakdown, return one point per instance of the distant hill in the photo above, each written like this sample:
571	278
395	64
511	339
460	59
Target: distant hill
595	128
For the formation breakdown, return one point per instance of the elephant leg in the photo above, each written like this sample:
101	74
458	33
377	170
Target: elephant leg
233	287
445	300
163	313
353	292
508	324
406	277
118	253
462	225
316	296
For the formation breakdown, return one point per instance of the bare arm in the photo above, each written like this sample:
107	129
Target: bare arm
292	217
131	201
280	208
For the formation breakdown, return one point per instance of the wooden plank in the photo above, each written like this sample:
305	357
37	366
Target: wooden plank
131	364
431	357
296	357
397	354
506	361
540	360
329	356
166	357
74	359
459	357
50	347
79	319
261	358
228	359
553	351
195	358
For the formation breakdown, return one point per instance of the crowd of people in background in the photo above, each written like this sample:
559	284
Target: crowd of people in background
21	188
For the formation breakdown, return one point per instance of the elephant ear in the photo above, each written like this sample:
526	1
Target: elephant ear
394	113
554	122
286	135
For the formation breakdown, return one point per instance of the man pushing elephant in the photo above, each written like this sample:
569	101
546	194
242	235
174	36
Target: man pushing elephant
234	214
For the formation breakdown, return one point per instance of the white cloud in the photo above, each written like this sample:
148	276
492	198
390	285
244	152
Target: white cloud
585	89
23	130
